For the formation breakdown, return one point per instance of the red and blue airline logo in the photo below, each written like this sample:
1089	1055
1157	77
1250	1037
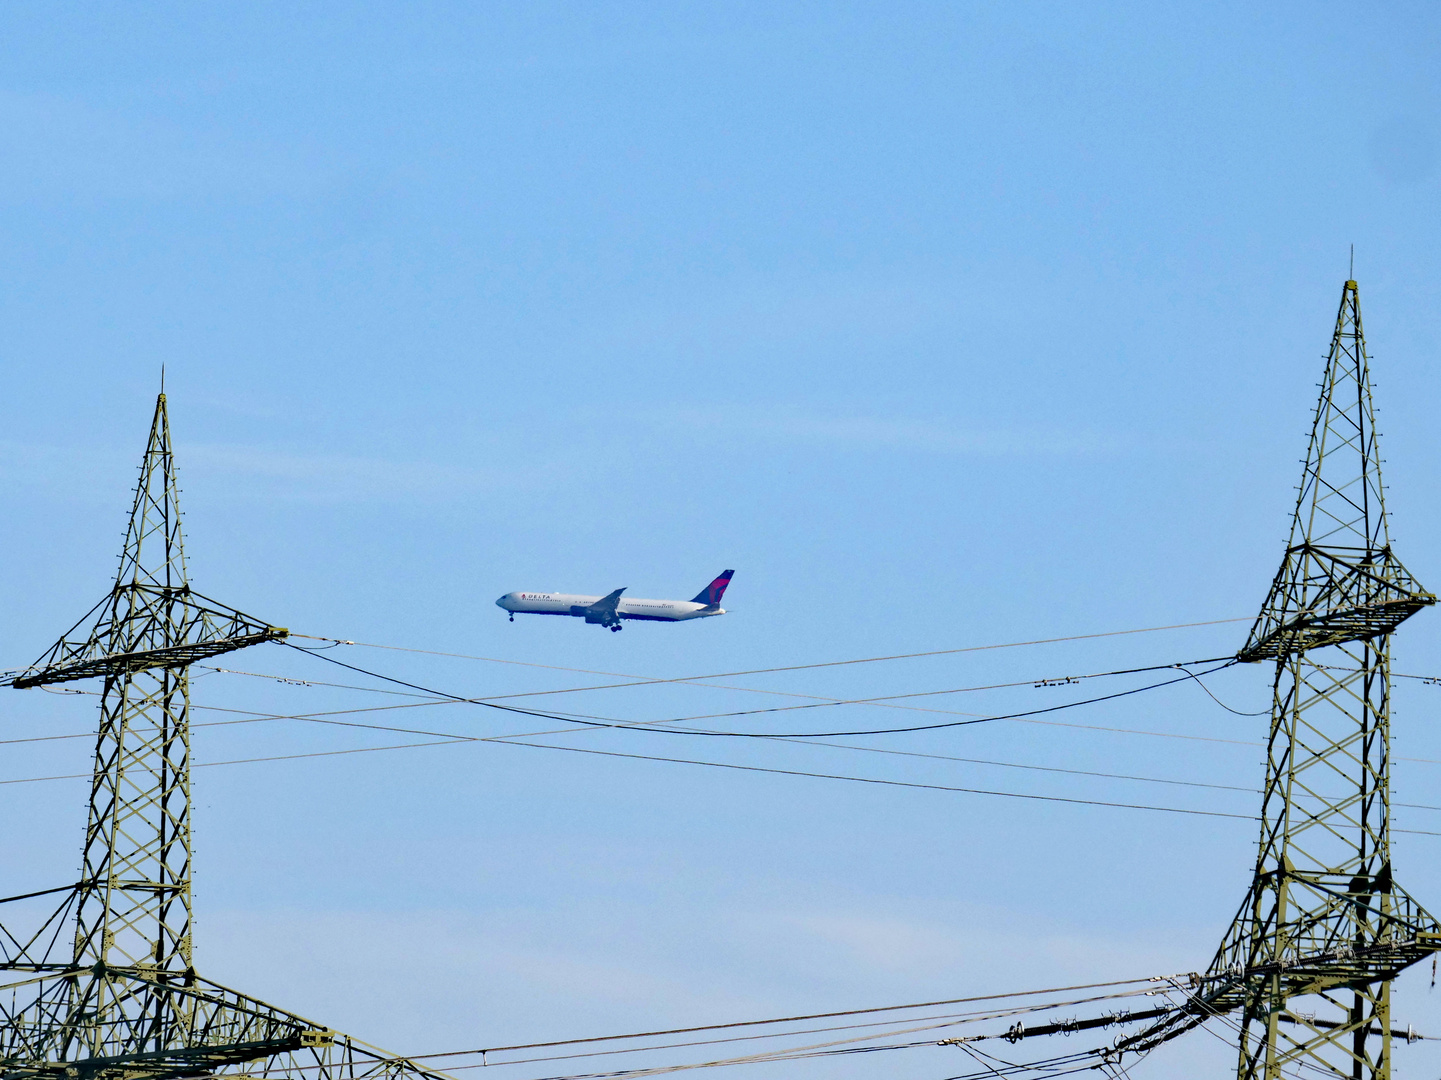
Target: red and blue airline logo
712	593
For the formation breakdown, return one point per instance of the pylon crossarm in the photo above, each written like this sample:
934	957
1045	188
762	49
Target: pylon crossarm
1322	945
155	1065
152	1022
158	1028
157	626
339	1058
1360	623
1224	990
127	663
1328	596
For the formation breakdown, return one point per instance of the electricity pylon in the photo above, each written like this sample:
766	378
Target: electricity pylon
126	1002
1325	928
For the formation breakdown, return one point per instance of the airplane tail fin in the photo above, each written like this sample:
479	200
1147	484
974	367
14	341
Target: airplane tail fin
712	593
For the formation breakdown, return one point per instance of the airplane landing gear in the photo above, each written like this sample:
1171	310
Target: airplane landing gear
616	628
512	616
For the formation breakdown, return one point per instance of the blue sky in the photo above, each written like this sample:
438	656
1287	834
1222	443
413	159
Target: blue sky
943	324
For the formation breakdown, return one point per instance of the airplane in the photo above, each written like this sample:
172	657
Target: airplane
610	609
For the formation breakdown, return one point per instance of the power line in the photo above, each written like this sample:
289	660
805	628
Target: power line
443	738
883	701
325	718
804	1017
610	723
915	1024
832	776
789	1053
643	681
511	741
838	701
790	667
975	719
1227	662
949	1020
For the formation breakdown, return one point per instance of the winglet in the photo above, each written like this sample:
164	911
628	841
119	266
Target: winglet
711	595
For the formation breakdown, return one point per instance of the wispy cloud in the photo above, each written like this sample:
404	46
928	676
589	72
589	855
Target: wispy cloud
409	978
906	434
250	471
986	944
262	472
76	471
62	146
430	980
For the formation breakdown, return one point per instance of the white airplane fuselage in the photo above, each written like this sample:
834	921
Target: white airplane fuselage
609	610
547	603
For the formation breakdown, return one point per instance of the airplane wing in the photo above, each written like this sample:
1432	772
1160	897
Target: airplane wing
607	603
603	610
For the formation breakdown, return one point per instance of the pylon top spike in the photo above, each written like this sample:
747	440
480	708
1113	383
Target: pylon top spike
154	548
1340	503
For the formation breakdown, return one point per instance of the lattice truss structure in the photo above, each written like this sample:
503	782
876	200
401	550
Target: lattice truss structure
104	985
1309	959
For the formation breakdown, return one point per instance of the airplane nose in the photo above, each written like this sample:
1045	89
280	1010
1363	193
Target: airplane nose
501	603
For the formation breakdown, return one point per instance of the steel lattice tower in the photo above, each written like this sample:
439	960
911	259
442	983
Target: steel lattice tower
1324	929
126	1002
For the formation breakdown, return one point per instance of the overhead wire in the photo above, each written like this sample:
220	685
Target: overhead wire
900	1025
635	680
511	741
887	701
605	721
610	723
443	738
447	738
795	667
1225	663
321	719
1038	683
953	1020
816	698
652	725
1149	980
772	771
701	679
880	702
806	1052
839	701
327	718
